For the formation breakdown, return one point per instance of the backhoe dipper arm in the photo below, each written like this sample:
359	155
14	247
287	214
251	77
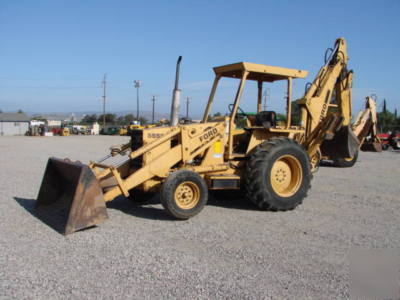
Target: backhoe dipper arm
366	122
316	101
343	96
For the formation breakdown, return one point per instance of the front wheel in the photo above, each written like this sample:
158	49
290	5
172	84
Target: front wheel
278	175
184	194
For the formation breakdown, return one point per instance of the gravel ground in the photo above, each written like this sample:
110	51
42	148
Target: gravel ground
230	250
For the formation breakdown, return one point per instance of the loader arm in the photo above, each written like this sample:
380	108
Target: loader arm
159	167
194	140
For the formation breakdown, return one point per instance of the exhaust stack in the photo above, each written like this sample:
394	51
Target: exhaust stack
176	95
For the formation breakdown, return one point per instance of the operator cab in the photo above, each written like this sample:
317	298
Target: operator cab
239	139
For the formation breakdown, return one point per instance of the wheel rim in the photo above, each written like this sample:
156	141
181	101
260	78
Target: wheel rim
286	176
187	195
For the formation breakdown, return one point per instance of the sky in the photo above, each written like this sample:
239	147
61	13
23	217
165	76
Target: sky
53	54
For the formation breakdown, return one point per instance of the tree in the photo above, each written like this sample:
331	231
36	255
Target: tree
120	120
386	121
143	120
20	111
395	113
89	119
281	117
129	118
384	106
110	118
295	115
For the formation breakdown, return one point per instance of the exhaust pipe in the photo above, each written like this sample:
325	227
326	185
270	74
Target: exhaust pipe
176	95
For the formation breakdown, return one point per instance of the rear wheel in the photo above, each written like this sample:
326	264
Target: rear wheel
278	175
184	194
396	145
345	162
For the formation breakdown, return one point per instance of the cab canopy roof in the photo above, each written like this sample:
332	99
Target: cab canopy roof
258	72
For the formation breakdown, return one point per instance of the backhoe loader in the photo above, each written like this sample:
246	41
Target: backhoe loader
365	129
272	162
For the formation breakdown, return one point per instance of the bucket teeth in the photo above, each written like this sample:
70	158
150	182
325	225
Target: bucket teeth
70	197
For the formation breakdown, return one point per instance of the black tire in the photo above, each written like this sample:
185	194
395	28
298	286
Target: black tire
259	179
342	162
139	196
190	183
396	145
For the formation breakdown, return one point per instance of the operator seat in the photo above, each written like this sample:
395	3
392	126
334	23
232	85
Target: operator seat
267	119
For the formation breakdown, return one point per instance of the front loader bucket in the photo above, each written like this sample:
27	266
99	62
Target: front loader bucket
70	197
343	144
371	147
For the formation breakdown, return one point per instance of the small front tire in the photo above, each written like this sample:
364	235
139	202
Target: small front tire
184	194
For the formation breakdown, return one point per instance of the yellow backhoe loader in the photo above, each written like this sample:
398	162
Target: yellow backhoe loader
272	162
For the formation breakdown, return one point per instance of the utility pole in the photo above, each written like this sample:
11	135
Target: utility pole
104	84
187	107
138	83
266	95
153	99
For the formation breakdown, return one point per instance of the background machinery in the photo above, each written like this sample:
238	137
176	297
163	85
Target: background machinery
390	140
272	162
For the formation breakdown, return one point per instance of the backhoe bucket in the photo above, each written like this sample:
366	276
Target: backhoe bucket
70	197
371	147
343	144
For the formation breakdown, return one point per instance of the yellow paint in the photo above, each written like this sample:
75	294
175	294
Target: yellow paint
187	195
218	147
286	176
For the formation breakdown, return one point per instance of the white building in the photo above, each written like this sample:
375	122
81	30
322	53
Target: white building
13	123
54	123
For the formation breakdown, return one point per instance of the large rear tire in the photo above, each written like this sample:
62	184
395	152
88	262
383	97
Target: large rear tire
184	194
278	175
342	162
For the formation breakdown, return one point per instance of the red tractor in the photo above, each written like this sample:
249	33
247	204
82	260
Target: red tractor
390	140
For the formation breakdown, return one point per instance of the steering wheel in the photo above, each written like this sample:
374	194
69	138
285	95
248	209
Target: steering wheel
241	111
